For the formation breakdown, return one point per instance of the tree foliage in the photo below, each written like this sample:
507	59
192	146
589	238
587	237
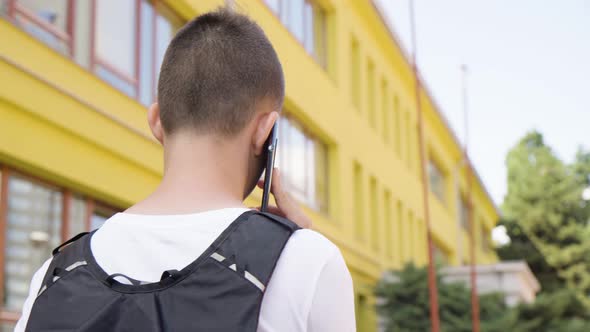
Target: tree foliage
546	218
545	212
560	310
521	248
404	305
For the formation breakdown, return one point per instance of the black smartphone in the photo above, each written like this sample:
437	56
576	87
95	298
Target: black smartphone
271	150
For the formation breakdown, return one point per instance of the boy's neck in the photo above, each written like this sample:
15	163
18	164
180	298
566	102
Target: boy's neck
200	174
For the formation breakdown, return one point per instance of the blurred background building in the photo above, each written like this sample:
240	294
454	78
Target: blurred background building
76	77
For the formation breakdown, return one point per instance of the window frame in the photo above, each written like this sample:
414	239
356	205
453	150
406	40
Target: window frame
358	197
67	36
6	172
434	164
355	74
485	238
319	56
389	226
371	94
134	80
464	211
320	207
440	254
96	61
374	214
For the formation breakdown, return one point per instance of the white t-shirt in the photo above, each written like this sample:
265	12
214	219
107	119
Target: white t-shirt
310	290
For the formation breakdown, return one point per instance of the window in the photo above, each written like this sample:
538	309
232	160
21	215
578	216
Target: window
38	217
371	94
121	41
436	181
389	232
397	127
464	213
78	216
49	21
33	229
417	151
411	237
486	244
375	220
385	111
303	160
355	73
159	26
100	214
274	5
130	38
115	41
421	241
307	22
401	232
358	197
440	256
7	326
408	129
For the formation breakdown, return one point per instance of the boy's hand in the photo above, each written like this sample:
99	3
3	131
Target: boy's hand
286	207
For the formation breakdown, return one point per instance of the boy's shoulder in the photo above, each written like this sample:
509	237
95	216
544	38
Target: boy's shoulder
312	245
313	237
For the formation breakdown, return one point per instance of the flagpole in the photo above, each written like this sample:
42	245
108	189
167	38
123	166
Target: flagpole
432	287
470	220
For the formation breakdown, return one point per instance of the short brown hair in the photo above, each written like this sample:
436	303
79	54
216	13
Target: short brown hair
216	68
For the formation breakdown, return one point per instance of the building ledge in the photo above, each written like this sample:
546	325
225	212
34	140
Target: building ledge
514	279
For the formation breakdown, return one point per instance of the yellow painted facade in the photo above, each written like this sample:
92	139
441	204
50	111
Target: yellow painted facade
61	123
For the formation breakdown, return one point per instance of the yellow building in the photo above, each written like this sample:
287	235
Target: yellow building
76	75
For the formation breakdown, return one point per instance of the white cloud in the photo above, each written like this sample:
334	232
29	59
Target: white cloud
500	236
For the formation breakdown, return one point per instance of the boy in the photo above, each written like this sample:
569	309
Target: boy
220	92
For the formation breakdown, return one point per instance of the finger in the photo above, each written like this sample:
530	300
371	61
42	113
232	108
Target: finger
276	185
277	211
287	204
271	209
281	196
260	183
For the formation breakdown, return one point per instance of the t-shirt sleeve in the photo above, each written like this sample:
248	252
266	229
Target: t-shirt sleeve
34	288
332	307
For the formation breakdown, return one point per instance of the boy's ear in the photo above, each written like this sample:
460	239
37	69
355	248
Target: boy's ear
263	129
153	116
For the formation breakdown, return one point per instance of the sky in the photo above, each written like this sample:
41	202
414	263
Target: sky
528	68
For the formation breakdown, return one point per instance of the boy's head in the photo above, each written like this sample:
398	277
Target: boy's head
221	79
216	70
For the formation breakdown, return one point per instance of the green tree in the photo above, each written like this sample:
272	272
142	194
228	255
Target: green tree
544	203
521	248
553	311
404	305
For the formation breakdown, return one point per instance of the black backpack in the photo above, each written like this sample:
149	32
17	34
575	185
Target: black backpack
221	290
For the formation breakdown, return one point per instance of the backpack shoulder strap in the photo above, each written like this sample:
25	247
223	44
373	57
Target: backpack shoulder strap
66	257
253	248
